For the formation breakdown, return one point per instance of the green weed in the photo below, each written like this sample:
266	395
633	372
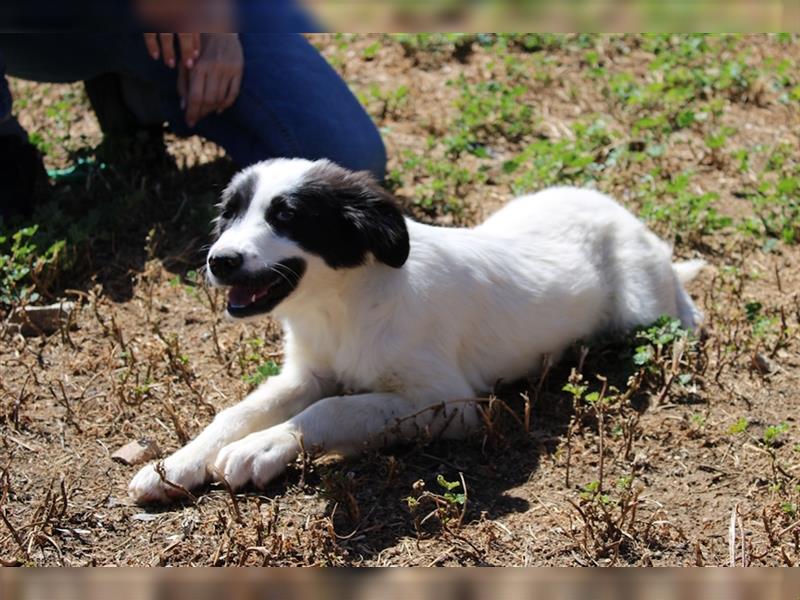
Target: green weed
687	214
23	264
262	373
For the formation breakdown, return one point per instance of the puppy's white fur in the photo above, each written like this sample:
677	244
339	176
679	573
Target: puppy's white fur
409	345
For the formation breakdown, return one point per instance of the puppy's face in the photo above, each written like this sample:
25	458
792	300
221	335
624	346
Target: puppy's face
281	220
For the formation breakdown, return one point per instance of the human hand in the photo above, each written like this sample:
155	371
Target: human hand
213	83
163	44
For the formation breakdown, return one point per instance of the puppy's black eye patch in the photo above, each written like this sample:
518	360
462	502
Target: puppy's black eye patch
229	210
284	215
235	201
280	212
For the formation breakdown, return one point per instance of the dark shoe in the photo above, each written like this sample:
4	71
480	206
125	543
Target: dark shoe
129	113
22	176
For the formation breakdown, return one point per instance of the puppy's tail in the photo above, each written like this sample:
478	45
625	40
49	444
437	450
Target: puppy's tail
687	270
691	317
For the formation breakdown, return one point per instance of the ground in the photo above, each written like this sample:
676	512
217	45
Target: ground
663	448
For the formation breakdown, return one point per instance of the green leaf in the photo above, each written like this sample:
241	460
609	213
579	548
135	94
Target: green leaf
685	118
773	432
643	355
753	310
455	498
740	426
262	373
448	485
577	391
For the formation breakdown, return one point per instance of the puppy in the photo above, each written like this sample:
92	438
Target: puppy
391	326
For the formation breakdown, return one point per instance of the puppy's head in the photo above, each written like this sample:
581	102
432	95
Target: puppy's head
284	219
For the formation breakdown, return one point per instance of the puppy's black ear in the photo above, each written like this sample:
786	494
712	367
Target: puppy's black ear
376	217
367	218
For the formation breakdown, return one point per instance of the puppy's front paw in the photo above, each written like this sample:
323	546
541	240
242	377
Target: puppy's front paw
148	486
258	458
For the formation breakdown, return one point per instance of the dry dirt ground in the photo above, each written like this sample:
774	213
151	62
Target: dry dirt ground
689	458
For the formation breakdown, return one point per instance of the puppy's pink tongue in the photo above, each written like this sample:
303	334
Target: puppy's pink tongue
241	296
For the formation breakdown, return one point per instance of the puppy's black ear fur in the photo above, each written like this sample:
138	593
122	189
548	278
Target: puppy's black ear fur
378	220
370	216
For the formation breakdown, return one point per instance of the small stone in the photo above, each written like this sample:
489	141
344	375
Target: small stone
42	320
764	365
144	517
136	452
116	502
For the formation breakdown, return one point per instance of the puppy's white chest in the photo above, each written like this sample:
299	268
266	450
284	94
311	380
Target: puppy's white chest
359	366
357	372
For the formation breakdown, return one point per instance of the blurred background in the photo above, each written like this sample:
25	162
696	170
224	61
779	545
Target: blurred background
571	15
407	584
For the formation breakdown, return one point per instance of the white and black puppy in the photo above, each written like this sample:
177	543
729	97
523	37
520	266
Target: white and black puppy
391	326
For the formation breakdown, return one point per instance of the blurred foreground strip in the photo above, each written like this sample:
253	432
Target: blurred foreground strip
540	15
400	584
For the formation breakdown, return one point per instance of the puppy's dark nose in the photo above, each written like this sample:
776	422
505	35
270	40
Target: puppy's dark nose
224	264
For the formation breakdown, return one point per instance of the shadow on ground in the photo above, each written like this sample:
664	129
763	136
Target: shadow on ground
496	466
366	497
116	218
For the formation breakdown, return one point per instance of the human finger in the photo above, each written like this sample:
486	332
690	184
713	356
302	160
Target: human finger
187	41
194	100
168	48
151	43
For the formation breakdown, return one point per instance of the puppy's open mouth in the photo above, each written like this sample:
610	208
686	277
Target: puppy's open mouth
261	293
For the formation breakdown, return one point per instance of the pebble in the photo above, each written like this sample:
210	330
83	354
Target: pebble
136	452
42	320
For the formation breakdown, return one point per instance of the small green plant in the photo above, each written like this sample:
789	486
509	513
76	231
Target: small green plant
448	505
439	185
656	337
449	486
777	206
537	42
773	432
577	159
488	110
262	373
371	51
386	102
688	215
432	49
664	354
625	482
591	493
740	426
610	524
717	140
576	390
761	323
21	263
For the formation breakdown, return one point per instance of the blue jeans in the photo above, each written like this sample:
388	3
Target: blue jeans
291	104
